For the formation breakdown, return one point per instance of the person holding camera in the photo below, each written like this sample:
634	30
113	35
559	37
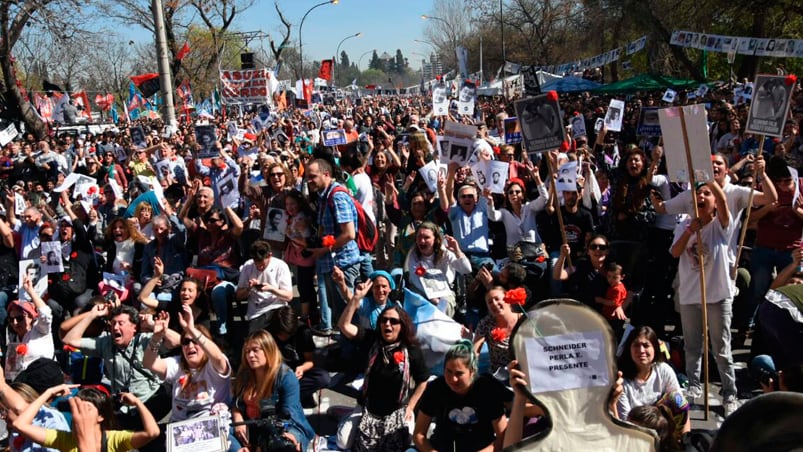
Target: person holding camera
199	378
122	351
267	390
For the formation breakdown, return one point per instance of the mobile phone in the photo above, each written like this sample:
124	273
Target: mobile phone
488	266
109	296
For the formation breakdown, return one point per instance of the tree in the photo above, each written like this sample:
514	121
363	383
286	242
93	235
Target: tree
400	63
375	62
344	60
17	18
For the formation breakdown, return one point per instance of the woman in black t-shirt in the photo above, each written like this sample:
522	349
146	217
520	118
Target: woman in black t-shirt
586	280
394	380
469	410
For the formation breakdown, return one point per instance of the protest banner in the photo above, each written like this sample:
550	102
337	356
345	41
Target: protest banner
251	86
440	100
138	137
466	98
8	134
334	137
499	171
615	115
541	122
770	106
429	173
648	124
206	136
578	124
512	130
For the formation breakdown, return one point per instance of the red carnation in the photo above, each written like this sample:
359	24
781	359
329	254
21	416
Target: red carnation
73	255
790	79
398	356
540	259
92	190
564	146
65	277
22	349
552	95
497	150
182	380
516	296
420	270
498	334
328	241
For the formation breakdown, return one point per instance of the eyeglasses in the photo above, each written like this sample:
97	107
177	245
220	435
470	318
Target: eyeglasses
185	341
16	318
514	192
597	247
392	320
276	174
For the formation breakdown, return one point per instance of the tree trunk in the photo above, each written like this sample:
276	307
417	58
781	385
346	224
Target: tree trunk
17	105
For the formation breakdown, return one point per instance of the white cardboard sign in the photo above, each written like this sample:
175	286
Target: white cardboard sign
674	147
567	361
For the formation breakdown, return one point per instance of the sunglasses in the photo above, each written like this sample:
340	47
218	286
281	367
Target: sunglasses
185	341
20	318
466	196
514	192
276	174
597	247
392	320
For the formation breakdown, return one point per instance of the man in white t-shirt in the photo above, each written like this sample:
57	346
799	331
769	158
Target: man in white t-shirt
266	282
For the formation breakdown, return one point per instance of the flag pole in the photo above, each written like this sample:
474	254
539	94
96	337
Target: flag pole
554	187
700	260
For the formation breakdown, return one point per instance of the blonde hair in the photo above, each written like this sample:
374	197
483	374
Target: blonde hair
245	385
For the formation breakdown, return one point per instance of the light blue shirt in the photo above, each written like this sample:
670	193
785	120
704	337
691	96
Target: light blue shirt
471	230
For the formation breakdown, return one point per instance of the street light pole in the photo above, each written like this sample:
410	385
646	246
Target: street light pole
449	30
301	42
337	53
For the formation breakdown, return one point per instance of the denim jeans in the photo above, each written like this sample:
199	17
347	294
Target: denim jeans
719	335
762	262
331	302
222	294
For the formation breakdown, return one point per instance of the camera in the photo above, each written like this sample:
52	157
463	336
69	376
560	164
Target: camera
267	432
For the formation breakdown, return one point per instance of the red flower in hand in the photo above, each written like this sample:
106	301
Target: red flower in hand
552	95
328	241
564	146
790	79
22	349
498	334
420	271
516	296
398	356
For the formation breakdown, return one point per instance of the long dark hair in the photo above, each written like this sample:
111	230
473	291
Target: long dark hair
630	193
626	364
104	405
407	332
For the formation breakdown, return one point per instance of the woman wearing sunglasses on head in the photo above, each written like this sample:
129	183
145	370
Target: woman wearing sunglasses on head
200	376
389	395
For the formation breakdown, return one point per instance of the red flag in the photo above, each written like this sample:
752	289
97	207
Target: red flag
183	52
326	70
104	102
147	84
82	102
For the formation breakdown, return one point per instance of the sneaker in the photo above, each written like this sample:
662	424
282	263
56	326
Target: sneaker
731	405
693	392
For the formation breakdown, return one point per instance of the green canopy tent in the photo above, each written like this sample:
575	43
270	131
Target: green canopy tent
646	82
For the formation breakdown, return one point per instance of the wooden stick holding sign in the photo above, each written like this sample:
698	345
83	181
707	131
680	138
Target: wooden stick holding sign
553	186
747	213
700	259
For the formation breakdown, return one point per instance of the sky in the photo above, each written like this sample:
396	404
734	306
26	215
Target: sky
386	25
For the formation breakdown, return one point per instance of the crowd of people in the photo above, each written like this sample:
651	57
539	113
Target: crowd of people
159	257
